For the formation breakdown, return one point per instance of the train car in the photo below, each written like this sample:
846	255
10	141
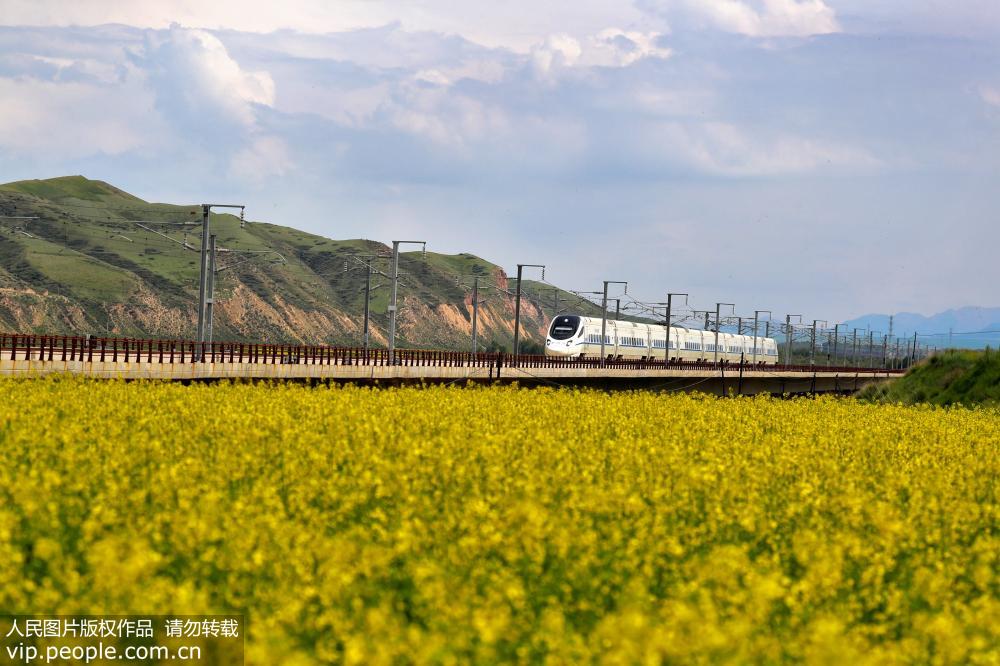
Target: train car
576	336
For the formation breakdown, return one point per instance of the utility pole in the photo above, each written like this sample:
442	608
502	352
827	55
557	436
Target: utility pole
392	298
914	346
756	315
204	312
618	306
517	307
604	315
717	327
666	345
885	348
788	337
871	352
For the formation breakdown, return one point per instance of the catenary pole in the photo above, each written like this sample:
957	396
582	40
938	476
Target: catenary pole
203	274
666	345
517	307
475	312
717	327
368	303
604	315
836	337
393	307
210	290
204	311
788	337
756	316
812	341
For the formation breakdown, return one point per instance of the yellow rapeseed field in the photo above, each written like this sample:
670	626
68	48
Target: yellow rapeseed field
502	524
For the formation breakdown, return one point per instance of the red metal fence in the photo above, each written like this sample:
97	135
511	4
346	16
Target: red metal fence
90	349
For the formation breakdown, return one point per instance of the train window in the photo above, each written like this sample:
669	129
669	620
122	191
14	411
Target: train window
564	328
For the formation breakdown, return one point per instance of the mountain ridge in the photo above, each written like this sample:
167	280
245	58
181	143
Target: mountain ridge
969	326
101	260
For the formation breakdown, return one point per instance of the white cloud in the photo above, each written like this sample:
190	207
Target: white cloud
611	47
559	50
251	15
308	128
443	116
73	120
194	66
619	48
990	95
725	149
349	106
265	156
755	18
514	24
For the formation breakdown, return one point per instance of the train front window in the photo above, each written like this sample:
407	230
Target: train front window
564	327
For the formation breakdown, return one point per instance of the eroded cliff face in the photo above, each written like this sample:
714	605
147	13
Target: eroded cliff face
26	310
144	313
242	314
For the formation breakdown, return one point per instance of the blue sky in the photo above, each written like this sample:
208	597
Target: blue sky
830	158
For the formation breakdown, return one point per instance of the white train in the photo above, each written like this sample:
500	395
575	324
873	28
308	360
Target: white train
575	336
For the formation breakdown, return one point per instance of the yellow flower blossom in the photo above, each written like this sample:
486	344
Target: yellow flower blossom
458	524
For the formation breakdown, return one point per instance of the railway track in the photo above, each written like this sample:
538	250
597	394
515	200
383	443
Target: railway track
85	349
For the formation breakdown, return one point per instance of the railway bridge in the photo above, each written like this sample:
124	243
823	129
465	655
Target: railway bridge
185	360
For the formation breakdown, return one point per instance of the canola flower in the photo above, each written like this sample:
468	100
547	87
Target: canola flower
457	525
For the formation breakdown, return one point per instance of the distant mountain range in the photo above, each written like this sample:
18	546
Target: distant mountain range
969	327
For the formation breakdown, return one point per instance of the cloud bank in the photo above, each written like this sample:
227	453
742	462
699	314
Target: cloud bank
661	139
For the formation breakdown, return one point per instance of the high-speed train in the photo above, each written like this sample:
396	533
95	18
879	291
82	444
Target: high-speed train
575	336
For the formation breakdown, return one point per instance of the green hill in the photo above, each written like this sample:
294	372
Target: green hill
102	261
948	378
